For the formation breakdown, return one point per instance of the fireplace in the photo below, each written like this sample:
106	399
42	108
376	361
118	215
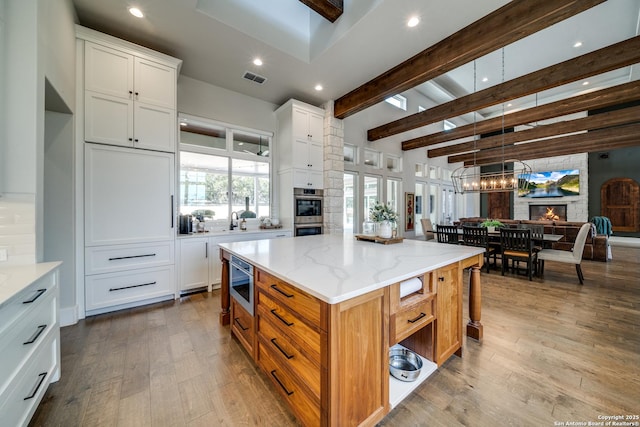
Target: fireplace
548	212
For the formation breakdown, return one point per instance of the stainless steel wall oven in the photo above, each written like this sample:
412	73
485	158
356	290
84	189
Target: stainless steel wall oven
307	208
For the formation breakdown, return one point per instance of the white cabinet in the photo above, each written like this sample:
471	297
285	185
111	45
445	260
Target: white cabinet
300	144
30	342
129	101
194	263
128	195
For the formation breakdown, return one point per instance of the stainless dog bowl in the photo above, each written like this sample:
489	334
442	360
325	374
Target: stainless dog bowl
404	364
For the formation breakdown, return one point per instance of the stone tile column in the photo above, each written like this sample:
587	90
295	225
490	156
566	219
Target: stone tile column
333	171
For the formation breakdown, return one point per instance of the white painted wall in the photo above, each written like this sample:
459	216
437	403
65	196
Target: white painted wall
213	102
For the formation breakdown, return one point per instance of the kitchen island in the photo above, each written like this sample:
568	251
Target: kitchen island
327	308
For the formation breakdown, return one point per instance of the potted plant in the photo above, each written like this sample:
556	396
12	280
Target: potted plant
491	225
385	217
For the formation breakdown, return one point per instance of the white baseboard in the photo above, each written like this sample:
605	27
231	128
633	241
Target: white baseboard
68	316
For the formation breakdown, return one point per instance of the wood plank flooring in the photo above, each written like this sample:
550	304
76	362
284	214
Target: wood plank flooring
553	352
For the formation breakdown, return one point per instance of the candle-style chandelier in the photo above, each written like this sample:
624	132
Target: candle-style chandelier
469	178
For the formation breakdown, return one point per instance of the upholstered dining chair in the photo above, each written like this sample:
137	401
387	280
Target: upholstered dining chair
516	246
447	234
570	257
427	229
479	237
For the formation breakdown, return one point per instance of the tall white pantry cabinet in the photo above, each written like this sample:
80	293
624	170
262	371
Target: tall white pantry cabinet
129	141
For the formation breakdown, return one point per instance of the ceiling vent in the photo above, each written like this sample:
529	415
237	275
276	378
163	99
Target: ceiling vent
254	77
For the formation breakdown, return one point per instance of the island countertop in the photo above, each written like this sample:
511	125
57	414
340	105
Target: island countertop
335	268
15	278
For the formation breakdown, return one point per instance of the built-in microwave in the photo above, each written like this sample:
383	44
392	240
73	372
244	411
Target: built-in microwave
307	229
241	282
307	206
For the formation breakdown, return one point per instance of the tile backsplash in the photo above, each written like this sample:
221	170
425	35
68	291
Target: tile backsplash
17	229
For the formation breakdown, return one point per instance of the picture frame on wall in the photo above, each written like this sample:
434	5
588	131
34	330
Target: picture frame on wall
409	211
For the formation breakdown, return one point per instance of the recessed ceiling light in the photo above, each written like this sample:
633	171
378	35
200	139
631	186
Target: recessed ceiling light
577	44
413	21
509	104
318	87
183	123
257	62
585	83
485	79
136	12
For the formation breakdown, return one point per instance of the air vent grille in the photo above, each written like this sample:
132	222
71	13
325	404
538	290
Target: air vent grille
254	77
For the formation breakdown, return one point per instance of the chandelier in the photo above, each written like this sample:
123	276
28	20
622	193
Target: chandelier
469	178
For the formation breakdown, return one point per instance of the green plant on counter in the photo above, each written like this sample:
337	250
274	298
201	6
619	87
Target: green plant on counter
380	212
492	223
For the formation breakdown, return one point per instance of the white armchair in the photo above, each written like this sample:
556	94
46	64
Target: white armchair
427	229
570	257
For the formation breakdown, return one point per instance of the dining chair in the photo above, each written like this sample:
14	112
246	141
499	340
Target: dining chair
570	257
479	237
427	229
516	246
447	234
537	235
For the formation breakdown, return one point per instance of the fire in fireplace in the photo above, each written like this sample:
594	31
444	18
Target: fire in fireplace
548	212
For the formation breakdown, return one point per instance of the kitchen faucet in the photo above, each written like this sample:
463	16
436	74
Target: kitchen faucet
232	225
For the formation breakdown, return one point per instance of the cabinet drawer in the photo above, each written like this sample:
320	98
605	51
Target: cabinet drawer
293	298
27	299
21	398
288	354
24	338
290	325
410	319
105	259
242	325
306	408
106	290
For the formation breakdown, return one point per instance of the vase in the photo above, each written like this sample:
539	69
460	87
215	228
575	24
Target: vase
369	228
491	229
384	229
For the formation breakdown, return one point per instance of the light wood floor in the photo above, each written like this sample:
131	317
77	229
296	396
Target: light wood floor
553	351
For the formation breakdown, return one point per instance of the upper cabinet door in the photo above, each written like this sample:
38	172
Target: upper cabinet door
108	71
316	128
108	119
155	127
154	83
300	124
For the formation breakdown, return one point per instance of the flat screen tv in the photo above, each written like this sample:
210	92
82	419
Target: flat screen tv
560	183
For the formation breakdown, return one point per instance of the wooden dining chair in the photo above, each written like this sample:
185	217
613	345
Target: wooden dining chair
479	237
537	235
516	246
447	234
574	256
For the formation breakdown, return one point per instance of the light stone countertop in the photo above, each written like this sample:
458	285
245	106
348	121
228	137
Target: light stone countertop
225	233
335	268
15	278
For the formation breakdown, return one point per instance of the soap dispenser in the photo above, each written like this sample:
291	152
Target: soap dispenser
243	225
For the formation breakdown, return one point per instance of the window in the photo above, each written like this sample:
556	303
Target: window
398	101
393	195
350	154
372	158
447	125
421	108
393	163
350	201
371	193
218	178
419	169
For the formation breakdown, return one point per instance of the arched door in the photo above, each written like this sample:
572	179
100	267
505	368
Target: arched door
620	202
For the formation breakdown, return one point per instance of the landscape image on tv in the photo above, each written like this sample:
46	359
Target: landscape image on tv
553	184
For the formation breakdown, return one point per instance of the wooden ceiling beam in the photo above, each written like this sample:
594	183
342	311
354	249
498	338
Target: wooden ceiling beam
619	94
328	9
612	57
598	121
512	22
597	140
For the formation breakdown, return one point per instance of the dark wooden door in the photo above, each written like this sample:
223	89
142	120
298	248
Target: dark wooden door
498	205
620	202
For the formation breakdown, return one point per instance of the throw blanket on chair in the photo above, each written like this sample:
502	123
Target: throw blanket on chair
603	225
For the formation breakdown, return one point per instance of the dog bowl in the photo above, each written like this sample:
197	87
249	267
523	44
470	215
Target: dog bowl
404	364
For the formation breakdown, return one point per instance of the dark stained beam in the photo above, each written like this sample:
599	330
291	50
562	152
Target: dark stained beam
598	121
328	9
603	98
514	21
597	140
612	57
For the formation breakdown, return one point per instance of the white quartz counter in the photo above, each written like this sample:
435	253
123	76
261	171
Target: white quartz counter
335	268
15	278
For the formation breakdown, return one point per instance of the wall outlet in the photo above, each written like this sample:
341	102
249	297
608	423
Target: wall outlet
4	254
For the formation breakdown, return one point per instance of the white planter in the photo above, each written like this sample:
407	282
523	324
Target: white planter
384	229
